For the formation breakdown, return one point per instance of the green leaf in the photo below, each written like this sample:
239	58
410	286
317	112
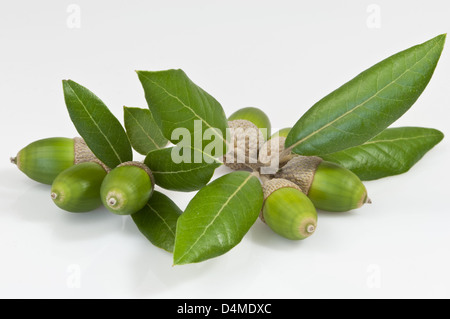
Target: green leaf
157	221
392	152
100	129
184	176
176	103
218	217
142	130
367	104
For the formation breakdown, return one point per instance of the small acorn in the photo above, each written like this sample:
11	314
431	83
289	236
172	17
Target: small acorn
282	132
287	210
246	139
330	186
248	129
127	188
256	116
77	188
44	159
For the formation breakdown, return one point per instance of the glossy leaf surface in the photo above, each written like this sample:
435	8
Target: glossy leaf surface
367	104
392	152
142	130
157	220
99	128
179	106
218	217
171	174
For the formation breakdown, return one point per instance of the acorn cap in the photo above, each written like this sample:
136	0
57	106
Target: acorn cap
300	170
82	153
245	138
274	184
127	188
269	153
287	210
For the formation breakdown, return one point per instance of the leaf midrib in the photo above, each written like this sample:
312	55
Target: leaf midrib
184	170
363	103
184	105
95	123
143	130
216	216
163	220
400	139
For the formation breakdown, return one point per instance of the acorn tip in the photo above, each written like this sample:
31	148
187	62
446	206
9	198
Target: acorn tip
112	202
310	229
13	160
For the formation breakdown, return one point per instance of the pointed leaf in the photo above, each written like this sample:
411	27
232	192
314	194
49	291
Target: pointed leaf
157	221
184	176
176	102
366	105
392	152
218	217
100	129
142	130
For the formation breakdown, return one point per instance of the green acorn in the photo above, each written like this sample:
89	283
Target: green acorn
127	188
44	159
256	116
248	129
287	210
330	186
77	188
282	133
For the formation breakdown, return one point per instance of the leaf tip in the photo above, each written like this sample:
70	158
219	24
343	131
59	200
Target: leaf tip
140	72
441	38
68	83
176	262
441	135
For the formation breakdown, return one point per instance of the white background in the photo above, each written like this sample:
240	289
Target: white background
281	56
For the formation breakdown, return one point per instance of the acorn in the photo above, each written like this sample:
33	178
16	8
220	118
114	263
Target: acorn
127	188
245	139
44	159
330	186
77	188
282	132
256	116
287	210
248	129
